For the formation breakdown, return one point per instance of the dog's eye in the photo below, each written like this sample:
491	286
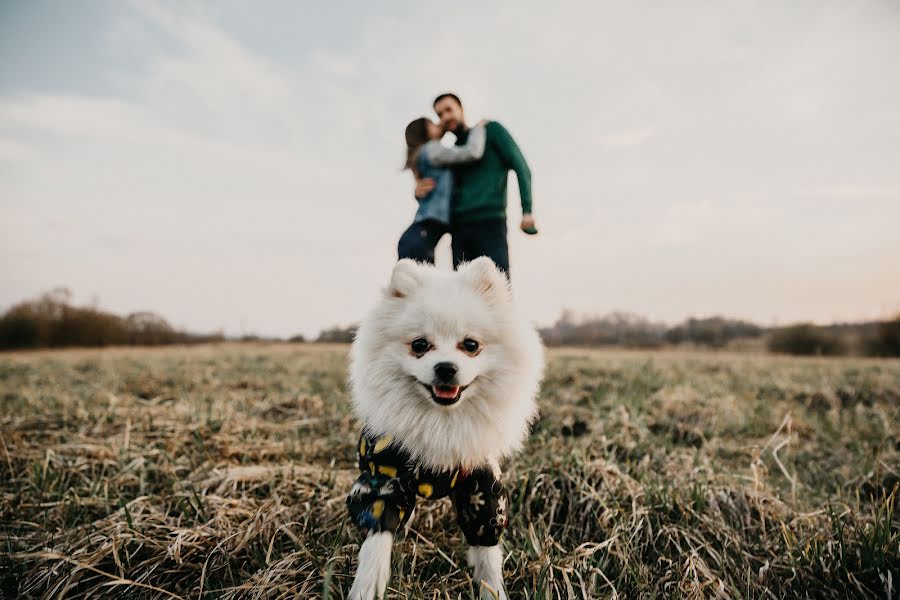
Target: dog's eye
470	346
420	346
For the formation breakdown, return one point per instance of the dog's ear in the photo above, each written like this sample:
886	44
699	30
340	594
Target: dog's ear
405	279
484	276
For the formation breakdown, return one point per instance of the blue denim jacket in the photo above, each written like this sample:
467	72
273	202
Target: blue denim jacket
436	205
433	162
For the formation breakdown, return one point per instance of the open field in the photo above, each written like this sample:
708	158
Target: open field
221	472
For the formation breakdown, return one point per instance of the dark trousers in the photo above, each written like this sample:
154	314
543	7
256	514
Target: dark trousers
470	240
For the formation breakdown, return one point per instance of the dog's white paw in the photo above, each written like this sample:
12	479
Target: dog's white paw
487	571
374	567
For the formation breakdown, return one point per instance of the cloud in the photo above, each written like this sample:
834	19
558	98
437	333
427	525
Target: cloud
13	150
210	84
628	139
262	179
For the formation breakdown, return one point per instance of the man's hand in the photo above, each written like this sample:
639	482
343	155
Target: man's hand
527	224
423	186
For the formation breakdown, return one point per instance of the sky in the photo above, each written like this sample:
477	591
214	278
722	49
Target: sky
236	165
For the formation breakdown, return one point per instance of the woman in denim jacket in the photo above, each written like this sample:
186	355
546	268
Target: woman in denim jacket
427	157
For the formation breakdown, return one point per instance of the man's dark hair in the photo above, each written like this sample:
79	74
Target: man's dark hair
447	95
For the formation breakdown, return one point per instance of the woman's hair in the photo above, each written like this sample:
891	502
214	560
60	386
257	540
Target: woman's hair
416	136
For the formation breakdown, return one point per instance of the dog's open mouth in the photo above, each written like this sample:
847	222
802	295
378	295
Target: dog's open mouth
445	395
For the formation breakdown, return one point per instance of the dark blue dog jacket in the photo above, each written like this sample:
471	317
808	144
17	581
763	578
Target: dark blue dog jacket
384	495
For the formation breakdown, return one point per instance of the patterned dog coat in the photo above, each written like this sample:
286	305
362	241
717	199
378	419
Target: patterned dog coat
384	495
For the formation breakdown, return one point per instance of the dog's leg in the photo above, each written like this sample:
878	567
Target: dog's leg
374	567
487	566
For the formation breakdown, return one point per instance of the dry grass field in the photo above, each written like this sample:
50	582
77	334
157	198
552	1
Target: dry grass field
221	472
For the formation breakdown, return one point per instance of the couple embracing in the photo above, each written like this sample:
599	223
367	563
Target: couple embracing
462	189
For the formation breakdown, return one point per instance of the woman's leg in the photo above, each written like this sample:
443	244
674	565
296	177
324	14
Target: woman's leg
419	240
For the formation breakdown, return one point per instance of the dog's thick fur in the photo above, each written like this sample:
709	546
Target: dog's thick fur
389	385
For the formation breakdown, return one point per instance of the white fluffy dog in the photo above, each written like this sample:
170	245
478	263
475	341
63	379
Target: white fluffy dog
444	374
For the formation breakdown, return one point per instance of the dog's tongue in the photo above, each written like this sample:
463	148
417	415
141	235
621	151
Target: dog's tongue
445	391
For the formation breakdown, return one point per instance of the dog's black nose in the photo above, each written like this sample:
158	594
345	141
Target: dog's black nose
445	371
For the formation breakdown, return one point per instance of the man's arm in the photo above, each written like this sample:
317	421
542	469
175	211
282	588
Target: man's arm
513	158
472	150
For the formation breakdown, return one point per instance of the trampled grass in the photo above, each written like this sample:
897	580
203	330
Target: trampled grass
221	472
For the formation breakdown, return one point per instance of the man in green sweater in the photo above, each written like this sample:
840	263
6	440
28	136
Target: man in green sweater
478	223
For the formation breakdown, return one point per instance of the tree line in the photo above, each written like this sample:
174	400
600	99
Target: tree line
51	321
879	338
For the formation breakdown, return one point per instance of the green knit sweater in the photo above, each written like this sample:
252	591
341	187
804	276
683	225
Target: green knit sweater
479	188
